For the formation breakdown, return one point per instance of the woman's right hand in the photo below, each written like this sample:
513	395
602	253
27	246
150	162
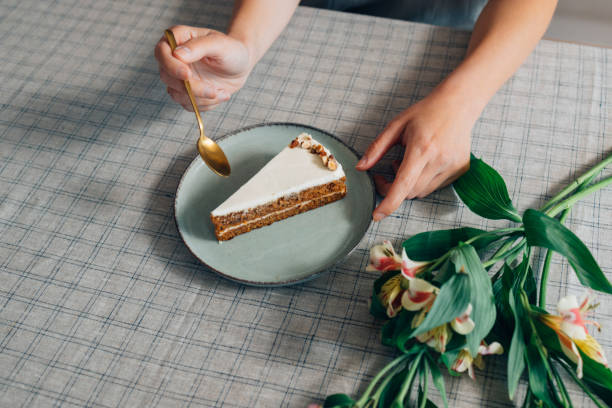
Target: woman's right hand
215	64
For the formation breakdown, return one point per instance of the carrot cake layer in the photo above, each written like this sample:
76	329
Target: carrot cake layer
303	176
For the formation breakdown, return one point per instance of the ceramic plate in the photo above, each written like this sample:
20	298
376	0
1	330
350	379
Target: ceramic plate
289	251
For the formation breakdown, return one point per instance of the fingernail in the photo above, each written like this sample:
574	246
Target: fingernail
182	51
362	162
377	216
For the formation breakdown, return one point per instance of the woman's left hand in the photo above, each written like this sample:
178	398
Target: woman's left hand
435	133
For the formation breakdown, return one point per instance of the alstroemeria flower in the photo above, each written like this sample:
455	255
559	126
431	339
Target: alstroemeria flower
390	295
465	361
383	258
411	268
436	338
463	324
419	294
570	327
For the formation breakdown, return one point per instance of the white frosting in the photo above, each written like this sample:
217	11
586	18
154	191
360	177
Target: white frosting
290	171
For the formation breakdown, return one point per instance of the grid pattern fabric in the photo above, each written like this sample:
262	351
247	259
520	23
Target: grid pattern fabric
102	305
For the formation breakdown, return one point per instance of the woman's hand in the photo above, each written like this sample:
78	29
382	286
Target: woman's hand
215	64
435	133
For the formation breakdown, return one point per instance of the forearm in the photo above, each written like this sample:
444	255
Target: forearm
257	23
504	35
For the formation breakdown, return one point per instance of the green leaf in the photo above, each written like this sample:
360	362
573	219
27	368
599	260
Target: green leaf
544	231
388	331
450	303
598	377
338	401
437	378
517	352
537	366
427	246
377	309
481	295
484	192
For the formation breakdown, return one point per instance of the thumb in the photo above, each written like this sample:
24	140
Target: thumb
194	50
389	137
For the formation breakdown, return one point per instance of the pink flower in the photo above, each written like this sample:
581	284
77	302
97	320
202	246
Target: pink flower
463	324
570	327
419	294
465	361
383	258
436	338
410	269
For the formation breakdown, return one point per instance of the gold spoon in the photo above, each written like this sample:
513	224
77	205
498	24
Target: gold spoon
210	151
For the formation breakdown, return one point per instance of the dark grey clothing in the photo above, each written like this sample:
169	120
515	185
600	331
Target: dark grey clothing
451	13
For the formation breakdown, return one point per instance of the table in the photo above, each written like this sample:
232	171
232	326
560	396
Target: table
102	305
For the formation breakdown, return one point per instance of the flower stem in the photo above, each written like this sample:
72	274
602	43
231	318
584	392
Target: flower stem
546	267
579	382
373	401
498	257
501	232
398	402
569	202
425	379
366	395
586	177
565	398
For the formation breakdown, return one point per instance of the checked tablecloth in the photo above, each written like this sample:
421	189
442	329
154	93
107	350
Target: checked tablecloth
102	305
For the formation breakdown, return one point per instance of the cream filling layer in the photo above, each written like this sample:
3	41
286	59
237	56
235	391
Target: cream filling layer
233	227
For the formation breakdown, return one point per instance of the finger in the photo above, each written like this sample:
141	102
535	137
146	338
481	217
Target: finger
195	49
200	89
382	185
184	33
426	179
439	181
443	180
175	67
170	81
389	137
202	103
407	175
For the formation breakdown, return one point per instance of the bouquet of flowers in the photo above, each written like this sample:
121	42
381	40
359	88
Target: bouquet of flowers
455	296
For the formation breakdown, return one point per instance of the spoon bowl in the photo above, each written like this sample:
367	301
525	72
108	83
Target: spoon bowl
210	151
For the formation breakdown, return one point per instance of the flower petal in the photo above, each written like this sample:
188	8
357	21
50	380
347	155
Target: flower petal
383	258
463	324
493	348
417	301
566	304
592	348
390	295
411	268
569	349
463	361
440	337
420	293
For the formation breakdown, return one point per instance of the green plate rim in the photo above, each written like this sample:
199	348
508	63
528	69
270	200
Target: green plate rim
315	274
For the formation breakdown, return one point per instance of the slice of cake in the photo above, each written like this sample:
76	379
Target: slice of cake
303	176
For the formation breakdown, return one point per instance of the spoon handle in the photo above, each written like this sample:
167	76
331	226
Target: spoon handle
172	41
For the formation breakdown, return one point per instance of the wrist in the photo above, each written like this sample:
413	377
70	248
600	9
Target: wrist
463	100
248	44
